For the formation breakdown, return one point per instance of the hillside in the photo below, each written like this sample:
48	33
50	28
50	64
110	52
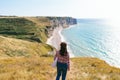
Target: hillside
24	52
10	47
22	28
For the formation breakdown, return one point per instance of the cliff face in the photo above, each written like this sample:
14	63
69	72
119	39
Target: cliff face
62	21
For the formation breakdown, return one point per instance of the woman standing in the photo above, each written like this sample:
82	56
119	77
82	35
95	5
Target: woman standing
63	63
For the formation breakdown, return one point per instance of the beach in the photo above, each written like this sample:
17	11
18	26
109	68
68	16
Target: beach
57	38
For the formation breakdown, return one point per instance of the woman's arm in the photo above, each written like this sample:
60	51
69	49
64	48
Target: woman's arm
68	62
55	55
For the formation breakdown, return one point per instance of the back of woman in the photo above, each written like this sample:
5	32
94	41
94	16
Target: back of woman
63	63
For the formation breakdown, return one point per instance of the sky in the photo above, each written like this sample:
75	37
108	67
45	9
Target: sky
73	8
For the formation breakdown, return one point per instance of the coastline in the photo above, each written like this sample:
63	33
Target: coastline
57	38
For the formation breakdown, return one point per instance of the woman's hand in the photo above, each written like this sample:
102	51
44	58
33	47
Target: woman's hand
68	68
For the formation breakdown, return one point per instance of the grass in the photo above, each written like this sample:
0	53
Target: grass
40	21
39	68
24	28
16	47
24	60
32	68
92	69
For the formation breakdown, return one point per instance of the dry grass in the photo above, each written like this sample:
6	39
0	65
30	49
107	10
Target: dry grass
39	68
92	69
15	47
22	68
40	21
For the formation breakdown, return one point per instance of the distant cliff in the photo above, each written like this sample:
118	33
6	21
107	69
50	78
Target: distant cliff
62	21
32	28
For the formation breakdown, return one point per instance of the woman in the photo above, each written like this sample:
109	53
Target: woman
63	63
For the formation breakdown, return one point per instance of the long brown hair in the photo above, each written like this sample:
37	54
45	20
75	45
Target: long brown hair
63	49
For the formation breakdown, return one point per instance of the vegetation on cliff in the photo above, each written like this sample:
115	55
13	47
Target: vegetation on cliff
10	47
39	68
22	28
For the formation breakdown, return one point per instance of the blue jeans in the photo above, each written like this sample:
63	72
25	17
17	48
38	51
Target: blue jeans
61	70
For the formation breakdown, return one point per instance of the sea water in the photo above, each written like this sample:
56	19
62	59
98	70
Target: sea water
94	38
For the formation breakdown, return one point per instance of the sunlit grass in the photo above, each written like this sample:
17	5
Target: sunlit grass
32	68
39	68
11	47
93	69
30	29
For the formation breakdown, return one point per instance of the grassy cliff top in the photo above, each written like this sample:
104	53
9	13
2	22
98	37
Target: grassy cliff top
26	28
39	68
10	47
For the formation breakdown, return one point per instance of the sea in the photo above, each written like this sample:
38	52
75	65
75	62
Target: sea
94	38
